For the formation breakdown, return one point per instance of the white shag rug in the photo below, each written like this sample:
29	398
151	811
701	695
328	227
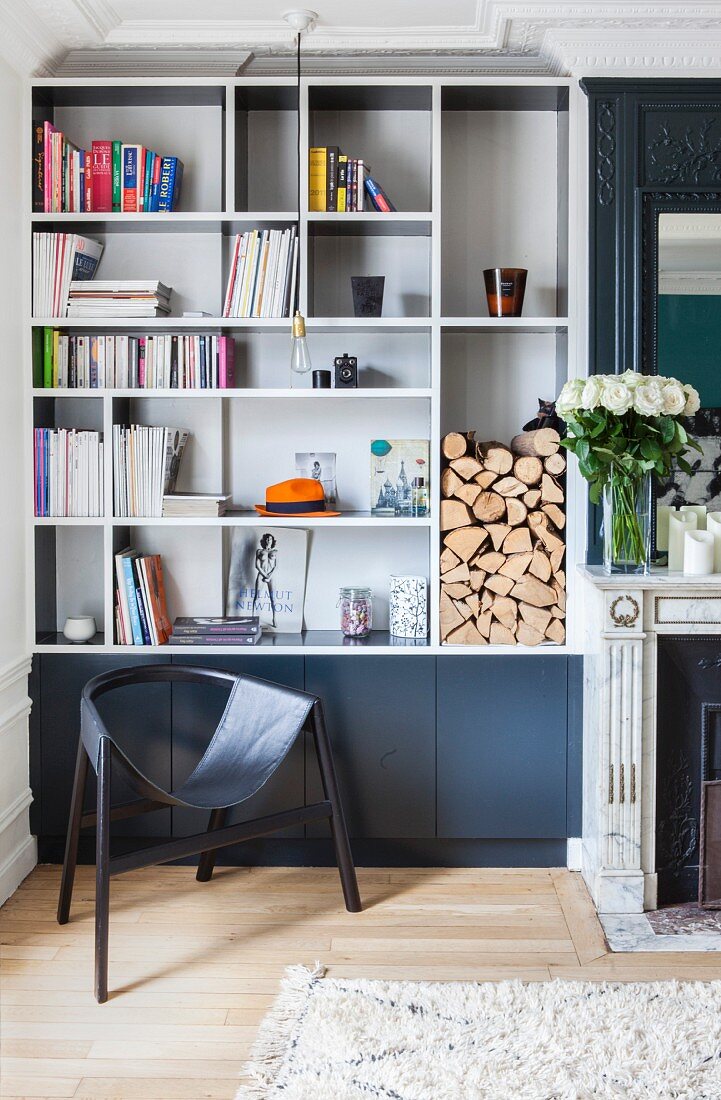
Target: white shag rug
338	1039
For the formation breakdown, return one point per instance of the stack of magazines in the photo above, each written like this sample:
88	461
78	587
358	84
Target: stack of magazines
195	504
145	464
119	298
239	630
61	260
262	274
68	468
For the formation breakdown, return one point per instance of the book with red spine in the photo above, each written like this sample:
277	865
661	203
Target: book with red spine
102	161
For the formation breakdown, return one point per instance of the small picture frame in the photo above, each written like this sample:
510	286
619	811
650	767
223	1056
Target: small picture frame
319	466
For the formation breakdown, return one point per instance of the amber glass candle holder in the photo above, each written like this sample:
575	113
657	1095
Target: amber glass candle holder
505	287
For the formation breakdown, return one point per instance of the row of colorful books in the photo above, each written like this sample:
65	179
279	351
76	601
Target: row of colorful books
195	361
119	298
262	274
111	175
60	259
146	461
68	468
226	630
340	184
141	612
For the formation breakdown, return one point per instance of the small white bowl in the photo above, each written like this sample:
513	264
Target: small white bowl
79	628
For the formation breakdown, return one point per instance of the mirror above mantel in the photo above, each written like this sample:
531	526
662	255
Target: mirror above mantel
688	339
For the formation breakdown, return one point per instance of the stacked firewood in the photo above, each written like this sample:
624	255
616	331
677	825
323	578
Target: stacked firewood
502	521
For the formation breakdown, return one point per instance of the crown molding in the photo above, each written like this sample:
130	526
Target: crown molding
558	37
106	61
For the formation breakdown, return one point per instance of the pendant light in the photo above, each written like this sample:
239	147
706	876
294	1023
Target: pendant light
299	354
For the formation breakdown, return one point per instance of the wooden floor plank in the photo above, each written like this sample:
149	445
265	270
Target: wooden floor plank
580	916
195	966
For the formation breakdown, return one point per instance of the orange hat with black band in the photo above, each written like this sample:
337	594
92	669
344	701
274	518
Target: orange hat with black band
300	496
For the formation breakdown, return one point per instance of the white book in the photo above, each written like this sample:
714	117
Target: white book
293	276
248	274
232	276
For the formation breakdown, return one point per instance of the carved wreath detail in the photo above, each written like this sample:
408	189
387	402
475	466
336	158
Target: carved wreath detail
629	618
693	157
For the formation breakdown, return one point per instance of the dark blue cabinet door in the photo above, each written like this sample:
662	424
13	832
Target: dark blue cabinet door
502	746
380	713
196	712
137	716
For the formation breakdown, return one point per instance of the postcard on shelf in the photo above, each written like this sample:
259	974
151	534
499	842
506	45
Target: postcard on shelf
320	467
267	576
395	464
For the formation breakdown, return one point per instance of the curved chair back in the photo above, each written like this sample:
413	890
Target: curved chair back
260	722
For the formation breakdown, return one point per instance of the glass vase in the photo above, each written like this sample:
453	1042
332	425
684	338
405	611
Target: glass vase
627	524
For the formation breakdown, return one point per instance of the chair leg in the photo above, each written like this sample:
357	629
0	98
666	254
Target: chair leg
102	873
346	867
206	863
71	844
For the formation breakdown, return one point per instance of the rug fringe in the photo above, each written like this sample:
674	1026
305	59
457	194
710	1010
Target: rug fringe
271	1045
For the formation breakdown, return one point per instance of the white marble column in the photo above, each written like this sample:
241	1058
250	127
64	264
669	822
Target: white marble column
612	749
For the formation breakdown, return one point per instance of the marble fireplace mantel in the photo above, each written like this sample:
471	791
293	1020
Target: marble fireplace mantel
623	616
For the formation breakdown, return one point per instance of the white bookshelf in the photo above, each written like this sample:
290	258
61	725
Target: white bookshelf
479	171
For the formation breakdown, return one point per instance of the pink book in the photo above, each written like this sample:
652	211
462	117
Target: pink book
48	131
226	363
141	363
102	176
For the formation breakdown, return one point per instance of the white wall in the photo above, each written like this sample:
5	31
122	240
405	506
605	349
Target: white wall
17	847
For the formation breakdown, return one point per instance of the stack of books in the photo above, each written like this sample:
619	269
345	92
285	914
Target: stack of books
141	613
341	184
58	260
158	361
68	466
146	461
242	630
111	175
195	504
119	298
262	274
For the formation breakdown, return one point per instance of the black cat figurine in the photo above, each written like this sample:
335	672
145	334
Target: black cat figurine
547	418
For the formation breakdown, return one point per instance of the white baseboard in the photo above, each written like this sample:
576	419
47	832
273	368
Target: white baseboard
573	853
17	866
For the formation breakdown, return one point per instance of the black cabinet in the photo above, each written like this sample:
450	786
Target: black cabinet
139	717
381	716
460	758
502	745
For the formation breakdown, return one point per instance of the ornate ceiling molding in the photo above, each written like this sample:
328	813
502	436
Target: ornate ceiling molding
559	37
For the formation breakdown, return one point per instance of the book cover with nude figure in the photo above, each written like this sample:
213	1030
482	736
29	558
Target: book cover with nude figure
267	577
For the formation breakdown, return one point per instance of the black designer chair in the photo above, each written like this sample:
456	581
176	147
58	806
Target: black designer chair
260	723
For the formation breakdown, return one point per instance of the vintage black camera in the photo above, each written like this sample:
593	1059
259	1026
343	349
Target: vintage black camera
346	371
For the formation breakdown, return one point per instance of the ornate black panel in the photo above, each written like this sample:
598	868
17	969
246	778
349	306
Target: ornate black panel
654	145
688	751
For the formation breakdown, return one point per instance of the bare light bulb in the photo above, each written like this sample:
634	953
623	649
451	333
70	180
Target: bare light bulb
299	355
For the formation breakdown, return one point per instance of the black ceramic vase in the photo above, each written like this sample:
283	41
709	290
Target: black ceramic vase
368	295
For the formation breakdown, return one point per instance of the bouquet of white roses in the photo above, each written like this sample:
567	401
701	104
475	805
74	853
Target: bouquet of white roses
622	427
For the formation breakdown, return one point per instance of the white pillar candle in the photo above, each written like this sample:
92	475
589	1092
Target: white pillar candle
698	548
663	511
700	512
678	524
713	524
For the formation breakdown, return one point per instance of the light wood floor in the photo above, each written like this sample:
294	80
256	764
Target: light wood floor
193	967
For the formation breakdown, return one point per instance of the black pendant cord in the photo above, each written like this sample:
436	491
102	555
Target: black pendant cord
297	262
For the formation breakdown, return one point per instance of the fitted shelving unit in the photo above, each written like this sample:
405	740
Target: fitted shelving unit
479	171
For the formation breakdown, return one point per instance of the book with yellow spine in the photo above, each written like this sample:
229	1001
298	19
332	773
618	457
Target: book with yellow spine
317	179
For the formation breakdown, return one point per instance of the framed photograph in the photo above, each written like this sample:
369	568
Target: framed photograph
320	467
394	465
267	576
